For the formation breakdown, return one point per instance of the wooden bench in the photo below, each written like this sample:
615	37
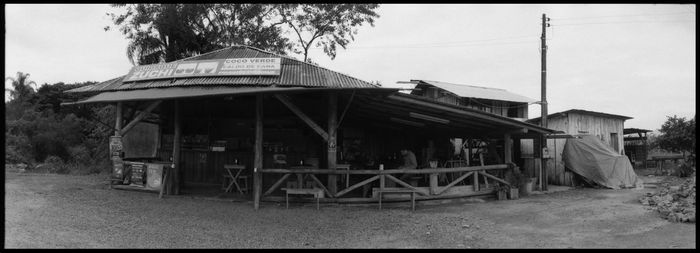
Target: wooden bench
317	192
398	191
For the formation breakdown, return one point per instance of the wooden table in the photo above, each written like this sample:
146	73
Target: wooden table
234	172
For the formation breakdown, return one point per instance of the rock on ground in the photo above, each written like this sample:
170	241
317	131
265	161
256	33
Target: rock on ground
674	202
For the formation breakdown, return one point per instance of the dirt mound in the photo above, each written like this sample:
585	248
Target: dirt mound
675	202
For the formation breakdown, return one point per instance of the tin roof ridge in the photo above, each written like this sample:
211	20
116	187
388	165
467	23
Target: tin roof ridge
482	87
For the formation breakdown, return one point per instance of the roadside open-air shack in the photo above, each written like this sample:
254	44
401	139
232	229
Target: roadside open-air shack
291	124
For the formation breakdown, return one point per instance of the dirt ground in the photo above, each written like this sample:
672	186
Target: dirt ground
64	211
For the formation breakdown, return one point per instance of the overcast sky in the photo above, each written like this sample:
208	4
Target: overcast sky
632	60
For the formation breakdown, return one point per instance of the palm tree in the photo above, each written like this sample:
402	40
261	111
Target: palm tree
21	88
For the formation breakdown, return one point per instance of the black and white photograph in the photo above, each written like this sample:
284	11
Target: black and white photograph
350	126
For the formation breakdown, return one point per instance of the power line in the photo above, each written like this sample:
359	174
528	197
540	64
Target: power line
469	41
615	16
626	22
447	44
450	46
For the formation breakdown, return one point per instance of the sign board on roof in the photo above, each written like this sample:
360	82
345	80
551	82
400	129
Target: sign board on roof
214	67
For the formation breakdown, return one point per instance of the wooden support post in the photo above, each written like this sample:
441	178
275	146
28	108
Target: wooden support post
118	124
469	151
117	128
382	179
177	141
545	172
433	183
481	160
507	148
332	139
475	180
538	169
258	164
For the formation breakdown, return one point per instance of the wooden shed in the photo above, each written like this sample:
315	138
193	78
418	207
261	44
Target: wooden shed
636	146
496	101
287	123
608	127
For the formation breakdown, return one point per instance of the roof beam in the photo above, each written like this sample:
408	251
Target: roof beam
292	107
396	97
139	117
405	111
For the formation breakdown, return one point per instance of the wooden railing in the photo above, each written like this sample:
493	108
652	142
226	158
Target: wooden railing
434	188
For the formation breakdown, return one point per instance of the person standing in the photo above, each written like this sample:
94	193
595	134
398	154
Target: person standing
409	163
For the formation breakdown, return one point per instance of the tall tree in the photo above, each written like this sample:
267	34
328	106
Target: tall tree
21	87
328	25
167	32
677	135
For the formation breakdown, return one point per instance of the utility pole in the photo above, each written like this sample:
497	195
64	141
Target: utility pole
543	104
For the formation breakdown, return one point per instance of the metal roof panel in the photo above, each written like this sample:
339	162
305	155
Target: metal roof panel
471	91
292	73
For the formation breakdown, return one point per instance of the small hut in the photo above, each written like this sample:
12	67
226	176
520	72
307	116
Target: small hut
607	127
636	146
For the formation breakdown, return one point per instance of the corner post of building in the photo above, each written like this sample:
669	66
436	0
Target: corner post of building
332	139
545	176
117	129
120	115
258	150
174	182
537	158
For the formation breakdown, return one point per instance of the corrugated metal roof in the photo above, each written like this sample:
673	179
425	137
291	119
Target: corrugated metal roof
599	114
199	91
293	73
481	116
635	130
471	91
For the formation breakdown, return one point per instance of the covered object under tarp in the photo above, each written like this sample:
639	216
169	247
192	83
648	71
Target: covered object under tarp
589	157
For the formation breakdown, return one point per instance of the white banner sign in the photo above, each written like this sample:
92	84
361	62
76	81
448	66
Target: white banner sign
215	67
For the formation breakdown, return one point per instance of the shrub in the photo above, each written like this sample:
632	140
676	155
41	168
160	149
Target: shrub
38	129
55	164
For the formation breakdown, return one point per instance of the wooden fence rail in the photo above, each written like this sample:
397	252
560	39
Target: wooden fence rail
434	190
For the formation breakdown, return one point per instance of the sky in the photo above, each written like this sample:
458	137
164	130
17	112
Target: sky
636	60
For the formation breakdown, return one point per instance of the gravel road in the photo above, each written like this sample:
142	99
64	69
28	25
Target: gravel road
65	211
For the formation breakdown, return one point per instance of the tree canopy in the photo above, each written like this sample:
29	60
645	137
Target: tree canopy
38	129
21	87
168	32
329	25
677	135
